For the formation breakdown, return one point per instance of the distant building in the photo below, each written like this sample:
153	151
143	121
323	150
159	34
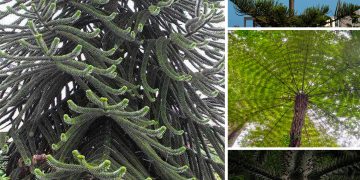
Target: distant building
348	21
331	22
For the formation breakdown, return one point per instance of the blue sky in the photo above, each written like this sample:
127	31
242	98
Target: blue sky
300	5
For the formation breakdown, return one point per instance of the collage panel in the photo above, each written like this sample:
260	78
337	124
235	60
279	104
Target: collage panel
163	90
294	164
293	88
293	13
112	90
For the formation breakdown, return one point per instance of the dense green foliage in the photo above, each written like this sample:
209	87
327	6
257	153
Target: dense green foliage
268	69
108	89
271	13
289	165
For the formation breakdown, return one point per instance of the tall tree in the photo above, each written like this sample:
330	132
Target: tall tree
271	13
292	88
108	89
292	7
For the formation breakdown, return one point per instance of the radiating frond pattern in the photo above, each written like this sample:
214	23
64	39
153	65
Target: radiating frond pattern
113	89
270	70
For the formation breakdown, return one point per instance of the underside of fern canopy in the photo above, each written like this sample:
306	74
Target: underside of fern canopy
294	88
108	89
292	165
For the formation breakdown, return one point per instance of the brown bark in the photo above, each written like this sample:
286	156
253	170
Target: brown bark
234	132
301	102
291	7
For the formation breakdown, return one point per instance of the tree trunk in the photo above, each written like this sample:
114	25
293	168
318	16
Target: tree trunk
291	7
234	132
301	102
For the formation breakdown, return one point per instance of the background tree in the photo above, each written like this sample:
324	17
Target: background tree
292	7
286	165
108	89
271	13
294	88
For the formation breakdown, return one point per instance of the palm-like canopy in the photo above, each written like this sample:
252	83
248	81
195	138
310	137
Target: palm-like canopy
277	165
275	76
271	13
108	89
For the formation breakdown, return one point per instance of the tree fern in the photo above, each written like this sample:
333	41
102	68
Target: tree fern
112	89
290	164
295	87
